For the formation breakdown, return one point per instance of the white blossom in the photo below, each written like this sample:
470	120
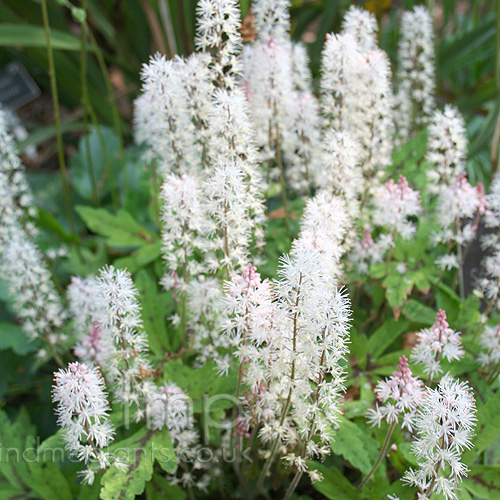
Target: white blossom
340	85
325	223
362	25
435	343
16	199
218	25
489	357
272	19
83	413
292	345
416	71
81	294
393	204
459	207
185	228
398	397
302	146
492	215
269	86
225	200
302	78
119	318
488	285
163	119
35	298
444	425
446	147
232	139
367	252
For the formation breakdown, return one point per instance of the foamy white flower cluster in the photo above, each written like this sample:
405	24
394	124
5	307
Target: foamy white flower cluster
458	211
278	89
488	285
36	300
218	33
232	140
444	425
340	83
185	229
393	204
83	413
362	25
163	120
302	154
118	316
341	173
169	407
205	318
269	88
436	343
399	396
446	147
324	227
416	71
492	215
82	305
356	91
225	197
16	198
367	252
292	346
489	357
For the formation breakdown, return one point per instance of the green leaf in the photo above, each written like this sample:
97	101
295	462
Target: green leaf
420	280
468	313
163	451
46	476
488	426
121	230
160	489
49	222
148	253
483	482
154	311
140	452
415	148
15	438
98	152
334	485
416	312
385	336
46	132
397	288
24	35
201	384
355	445
13	337
9	492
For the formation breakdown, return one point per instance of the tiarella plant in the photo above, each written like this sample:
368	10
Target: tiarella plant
278	305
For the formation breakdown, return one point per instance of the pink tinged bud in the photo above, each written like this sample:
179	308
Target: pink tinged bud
481	198
367	240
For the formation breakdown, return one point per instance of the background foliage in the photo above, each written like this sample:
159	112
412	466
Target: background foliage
116	215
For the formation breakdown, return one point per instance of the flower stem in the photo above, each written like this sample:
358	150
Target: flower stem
85	102
112	102
293	484
389	255
279	161
57	120
381	455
